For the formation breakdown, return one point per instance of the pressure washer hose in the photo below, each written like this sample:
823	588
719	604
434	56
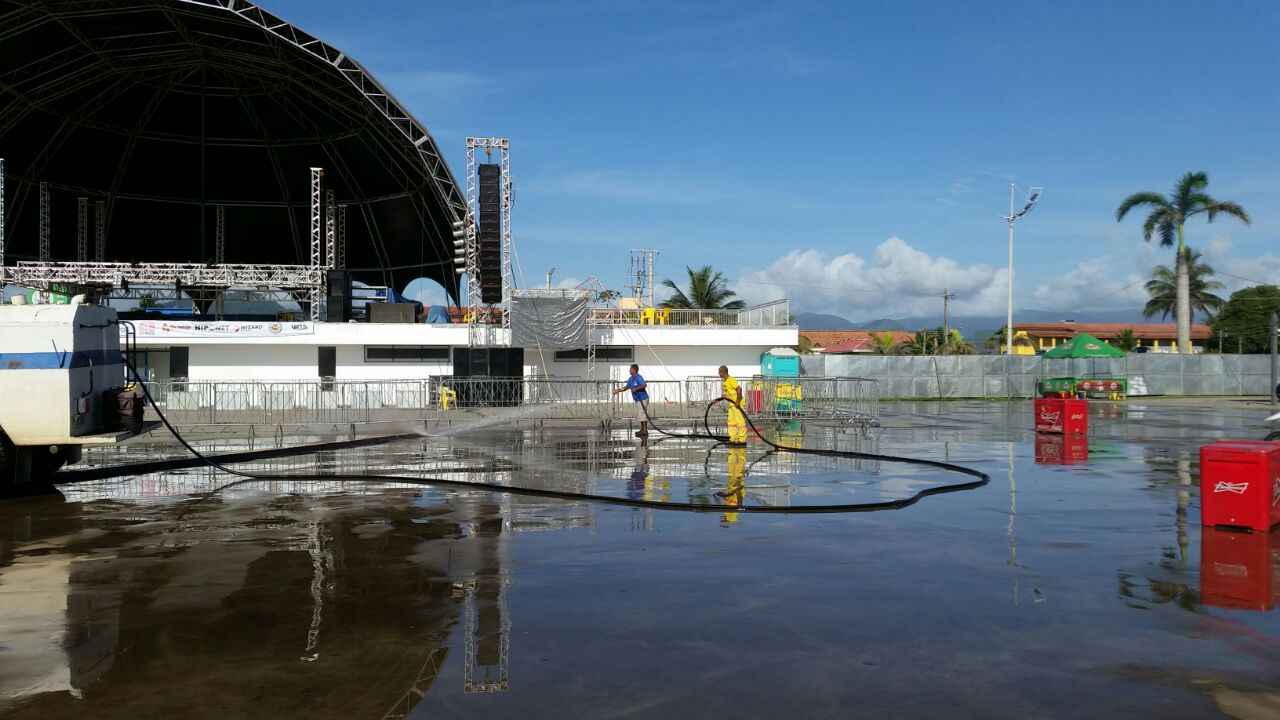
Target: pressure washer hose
982	478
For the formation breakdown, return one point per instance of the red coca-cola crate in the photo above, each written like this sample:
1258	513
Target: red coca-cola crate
1062	415
1054	449
1239	569
1240	484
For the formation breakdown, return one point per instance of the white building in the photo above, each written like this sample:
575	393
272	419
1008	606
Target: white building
279	351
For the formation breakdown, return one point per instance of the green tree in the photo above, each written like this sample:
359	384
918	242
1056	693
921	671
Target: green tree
1246	318
1166	219
708	290
924	342
146	301
805	346
1126	340
995	341
1162	288
956	344
885	343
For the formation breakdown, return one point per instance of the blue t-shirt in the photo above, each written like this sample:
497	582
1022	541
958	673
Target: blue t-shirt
637	381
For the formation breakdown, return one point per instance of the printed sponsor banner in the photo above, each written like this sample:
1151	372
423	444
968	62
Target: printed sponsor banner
187	328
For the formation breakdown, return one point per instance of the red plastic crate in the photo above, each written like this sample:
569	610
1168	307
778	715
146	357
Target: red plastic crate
1054	449
1240	484
1239	569
1062	415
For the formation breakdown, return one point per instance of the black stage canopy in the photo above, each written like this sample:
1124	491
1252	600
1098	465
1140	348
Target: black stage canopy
165	109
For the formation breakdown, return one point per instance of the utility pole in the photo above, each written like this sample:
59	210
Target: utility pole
946	323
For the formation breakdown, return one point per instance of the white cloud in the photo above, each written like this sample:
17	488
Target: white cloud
1236	272
897	281
1091	285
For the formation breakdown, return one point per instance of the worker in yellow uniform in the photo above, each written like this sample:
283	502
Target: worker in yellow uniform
737	421
737	488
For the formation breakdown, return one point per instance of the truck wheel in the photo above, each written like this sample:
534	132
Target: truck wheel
8	461
48	460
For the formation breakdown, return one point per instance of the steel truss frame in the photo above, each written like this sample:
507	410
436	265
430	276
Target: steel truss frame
100	230
82	229
471	619
3	218
415	160
481	334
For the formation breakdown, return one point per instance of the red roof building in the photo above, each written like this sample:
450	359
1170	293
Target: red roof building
840	342
1049	335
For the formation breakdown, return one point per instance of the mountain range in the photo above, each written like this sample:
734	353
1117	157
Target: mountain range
971	326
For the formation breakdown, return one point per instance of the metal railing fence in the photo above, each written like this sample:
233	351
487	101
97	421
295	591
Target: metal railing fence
772	314
361	401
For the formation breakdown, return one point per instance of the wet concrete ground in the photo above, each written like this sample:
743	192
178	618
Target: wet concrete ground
1058	590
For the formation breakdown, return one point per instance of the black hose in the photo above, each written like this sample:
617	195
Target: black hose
983	479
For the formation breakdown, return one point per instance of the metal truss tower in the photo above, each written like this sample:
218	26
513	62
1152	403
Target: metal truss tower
44	221
330	229
99	230
489	681
480	333
317	176
82	229
2	220
340	260
220	235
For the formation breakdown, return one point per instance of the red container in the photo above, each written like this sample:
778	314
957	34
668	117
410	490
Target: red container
1240	484
1053	449
1062	415
1239	569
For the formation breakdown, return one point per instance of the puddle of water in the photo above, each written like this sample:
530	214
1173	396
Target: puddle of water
1057	590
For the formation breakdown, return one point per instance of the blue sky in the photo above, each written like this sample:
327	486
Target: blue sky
852	156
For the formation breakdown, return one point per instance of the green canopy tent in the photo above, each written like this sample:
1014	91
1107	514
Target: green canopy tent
1084	345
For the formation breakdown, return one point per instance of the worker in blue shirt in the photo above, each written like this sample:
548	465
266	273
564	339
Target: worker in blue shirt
640	398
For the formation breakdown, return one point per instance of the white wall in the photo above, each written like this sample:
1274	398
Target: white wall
663	353
297	362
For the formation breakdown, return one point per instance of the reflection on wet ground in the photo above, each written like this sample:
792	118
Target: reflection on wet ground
1077	583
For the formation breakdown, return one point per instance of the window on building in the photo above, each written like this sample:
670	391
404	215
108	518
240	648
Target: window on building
327	365
603	354
405	354
179	367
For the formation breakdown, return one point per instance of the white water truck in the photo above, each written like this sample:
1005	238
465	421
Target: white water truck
62	386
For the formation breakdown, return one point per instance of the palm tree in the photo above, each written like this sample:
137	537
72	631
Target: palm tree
1168	215
1162	287
885	343
1126	339
918	344
707	291
957	345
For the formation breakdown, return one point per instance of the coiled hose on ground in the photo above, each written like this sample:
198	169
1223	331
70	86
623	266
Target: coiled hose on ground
980	477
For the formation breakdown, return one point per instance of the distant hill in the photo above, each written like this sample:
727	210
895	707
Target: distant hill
972	326
822	321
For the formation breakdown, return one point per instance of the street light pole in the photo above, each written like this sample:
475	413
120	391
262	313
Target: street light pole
1032	196
1008	328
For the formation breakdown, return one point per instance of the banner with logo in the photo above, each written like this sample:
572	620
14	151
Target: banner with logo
190	329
